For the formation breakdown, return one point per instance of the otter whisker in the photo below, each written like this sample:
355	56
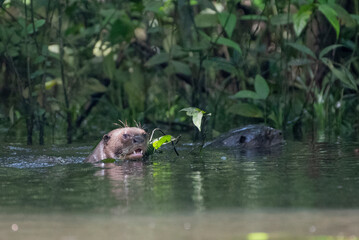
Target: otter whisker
122	124
138	125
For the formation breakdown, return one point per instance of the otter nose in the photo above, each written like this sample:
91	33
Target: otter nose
138	139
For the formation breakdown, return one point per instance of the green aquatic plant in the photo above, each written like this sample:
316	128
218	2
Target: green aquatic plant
158	142
155	144
196	114
108	160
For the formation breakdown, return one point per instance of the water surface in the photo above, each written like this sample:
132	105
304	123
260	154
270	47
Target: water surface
298	191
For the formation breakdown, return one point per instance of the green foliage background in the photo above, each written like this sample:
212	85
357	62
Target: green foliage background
69	69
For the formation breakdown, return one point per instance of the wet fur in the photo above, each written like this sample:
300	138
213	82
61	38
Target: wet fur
120	144
248	137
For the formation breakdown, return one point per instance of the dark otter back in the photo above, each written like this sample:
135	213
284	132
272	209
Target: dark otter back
248	137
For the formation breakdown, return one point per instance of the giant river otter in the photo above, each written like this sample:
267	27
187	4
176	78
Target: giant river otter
131	142
248	137
121	143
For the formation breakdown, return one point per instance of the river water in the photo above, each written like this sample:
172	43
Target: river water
301	190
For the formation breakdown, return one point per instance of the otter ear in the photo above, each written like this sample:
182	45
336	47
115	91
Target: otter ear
106	138
242	139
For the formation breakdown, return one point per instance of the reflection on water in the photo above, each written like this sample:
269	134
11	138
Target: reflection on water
299	190
236	224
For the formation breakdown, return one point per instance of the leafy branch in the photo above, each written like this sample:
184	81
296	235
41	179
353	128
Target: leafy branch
158	142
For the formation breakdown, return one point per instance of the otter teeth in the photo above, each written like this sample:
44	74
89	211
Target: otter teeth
135	152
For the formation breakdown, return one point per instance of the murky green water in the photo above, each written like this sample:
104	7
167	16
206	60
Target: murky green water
302	190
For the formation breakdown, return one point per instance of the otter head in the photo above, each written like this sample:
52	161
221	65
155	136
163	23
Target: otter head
260	137
125	143
273	137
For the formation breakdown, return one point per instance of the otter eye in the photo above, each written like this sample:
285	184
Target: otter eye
125	136
144	135
242	139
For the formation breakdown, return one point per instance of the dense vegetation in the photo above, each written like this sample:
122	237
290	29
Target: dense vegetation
72	68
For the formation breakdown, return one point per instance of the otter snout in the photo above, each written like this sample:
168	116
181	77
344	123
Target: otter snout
138	139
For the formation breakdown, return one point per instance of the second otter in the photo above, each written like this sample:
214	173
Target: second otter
248	137
122	143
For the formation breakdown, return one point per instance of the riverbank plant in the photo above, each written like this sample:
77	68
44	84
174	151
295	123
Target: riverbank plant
69	69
